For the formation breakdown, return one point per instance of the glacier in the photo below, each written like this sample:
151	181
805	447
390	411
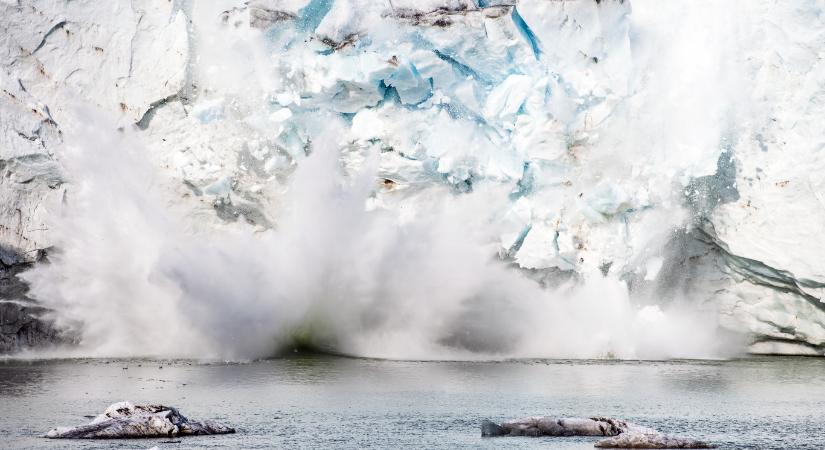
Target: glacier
417	179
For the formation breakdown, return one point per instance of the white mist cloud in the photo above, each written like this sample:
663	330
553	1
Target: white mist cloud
132	278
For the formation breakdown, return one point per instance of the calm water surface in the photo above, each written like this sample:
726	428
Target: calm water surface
327	402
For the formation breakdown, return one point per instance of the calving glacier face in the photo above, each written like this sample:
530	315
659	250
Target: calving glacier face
420	179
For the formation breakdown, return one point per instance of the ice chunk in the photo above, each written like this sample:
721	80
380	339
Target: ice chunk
606	199
505	101
220	188
652	268
411	87
125	420
208	110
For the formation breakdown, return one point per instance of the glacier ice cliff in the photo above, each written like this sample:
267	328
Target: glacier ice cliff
502	177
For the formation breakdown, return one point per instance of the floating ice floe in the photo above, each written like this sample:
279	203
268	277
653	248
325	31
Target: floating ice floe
126	420
620	433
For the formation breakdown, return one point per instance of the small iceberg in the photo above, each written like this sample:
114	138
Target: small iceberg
619	433
125	420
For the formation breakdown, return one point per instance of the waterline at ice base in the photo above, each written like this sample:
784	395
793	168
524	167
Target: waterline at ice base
427	180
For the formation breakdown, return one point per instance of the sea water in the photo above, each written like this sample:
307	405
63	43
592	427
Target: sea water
312	401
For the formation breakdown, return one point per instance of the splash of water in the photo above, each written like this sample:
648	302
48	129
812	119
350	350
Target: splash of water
134	276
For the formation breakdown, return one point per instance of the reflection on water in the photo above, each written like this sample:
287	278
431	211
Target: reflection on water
24	378
317	401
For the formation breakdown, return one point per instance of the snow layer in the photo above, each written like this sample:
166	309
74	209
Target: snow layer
671	152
